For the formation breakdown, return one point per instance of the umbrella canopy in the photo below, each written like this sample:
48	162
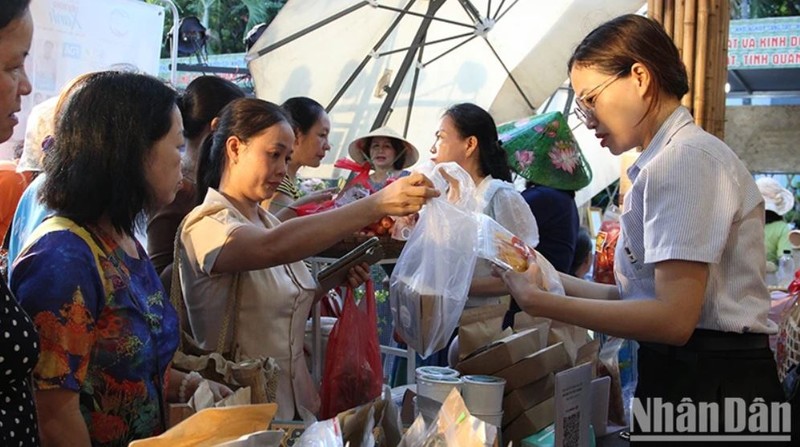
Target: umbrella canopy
401	63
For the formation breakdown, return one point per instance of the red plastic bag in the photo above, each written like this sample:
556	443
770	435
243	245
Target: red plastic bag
356	188
353	371
314	208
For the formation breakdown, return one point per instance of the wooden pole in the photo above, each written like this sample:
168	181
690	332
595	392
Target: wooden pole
689	14
669	18
725	23
677	33
699	29
658	11
712	73
701	62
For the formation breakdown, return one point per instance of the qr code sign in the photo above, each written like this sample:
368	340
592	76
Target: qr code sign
572	430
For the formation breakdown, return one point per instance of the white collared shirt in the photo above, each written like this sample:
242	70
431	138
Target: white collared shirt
693	199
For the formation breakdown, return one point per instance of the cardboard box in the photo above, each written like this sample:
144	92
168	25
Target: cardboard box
535	366
520	400
530	422
502	353
418	317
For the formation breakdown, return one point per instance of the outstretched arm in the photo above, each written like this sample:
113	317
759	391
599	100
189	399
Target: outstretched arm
251	248
670	317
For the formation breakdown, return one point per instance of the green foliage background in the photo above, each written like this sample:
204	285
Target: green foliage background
227	21
755	9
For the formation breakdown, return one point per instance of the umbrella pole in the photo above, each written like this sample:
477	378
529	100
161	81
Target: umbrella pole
413	92
419	38
366	59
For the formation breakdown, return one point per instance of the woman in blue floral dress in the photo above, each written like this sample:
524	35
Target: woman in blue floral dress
108	331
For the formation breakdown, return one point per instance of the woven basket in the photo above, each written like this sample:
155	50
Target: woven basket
391	247
788	346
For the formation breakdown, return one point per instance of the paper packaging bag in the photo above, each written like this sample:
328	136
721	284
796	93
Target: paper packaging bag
589	353
261	375
214	426
358	424
530	422
375	423
535	366
204	398
524	321
479	327
572	336
502	353
527	397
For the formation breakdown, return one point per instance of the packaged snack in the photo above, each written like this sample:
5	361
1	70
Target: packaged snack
500	246
606	244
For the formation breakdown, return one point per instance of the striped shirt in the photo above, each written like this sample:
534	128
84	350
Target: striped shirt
692	199
289	188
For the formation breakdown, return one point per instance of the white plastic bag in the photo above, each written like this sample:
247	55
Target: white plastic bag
429	284
325	433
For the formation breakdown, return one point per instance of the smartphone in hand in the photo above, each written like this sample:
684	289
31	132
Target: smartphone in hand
371	251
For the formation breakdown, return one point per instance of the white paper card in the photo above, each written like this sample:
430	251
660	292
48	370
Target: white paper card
601	388
573	396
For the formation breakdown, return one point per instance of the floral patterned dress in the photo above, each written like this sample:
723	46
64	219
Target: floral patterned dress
107	328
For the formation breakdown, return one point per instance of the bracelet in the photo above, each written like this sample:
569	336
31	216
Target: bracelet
185	383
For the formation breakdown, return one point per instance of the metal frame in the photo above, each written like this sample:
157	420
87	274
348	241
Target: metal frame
173	68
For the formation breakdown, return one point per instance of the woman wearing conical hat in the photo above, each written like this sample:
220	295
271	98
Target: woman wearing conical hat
388	153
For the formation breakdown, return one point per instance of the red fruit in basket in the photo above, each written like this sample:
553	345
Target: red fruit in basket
380	231
387	222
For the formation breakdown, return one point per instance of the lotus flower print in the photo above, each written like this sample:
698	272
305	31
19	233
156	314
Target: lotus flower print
524	159
550	129
564	156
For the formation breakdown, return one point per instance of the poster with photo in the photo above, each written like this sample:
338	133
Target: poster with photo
72	37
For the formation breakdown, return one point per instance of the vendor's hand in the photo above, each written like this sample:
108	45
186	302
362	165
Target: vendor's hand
526	285
358	275
315	197
405	195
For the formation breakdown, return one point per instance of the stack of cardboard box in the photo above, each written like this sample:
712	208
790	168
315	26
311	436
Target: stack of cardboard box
528	364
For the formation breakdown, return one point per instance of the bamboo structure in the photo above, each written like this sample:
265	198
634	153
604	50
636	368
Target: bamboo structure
699	29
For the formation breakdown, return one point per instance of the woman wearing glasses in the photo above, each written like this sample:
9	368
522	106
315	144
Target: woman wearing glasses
689	263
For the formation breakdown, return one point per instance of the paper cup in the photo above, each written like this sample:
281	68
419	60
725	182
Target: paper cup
436	371
437	387
483	394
